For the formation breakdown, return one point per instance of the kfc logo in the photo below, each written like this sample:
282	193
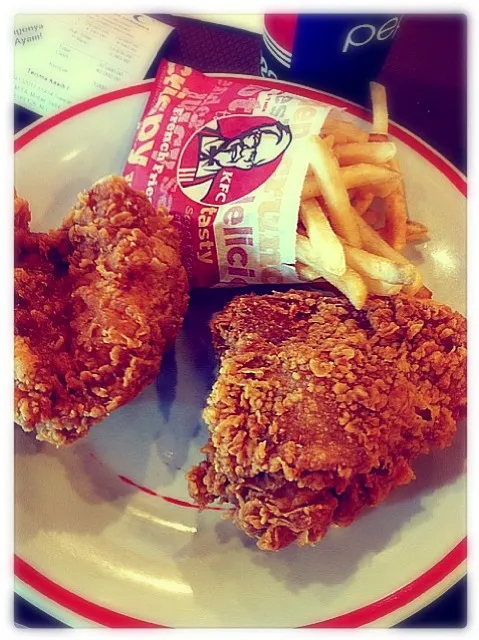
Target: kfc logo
231	157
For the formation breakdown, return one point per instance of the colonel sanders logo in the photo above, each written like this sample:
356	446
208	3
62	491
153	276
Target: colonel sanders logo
231	157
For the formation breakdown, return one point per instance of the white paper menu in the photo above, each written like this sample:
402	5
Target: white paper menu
62	59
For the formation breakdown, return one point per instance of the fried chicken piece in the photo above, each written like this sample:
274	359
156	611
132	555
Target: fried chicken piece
96	303
319	409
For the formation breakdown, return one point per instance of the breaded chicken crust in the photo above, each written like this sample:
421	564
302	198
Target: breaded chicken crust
96	303
319	409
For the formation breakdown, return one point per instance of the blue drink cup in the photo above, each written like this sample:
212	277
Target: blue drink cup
337	53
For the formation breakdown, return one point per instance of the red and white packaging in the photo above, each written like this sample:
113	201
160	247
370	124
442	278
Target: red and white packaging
228	159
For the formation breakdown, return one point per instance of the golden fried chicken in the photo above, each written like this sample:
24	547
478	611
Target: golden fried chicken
96	304
320	409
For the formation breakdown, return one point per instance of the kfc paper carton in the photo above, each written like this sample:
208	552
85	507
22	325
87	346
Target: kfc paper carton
228	159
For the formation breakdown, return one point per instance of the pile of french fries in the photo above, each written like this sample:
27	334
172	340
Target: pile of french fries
353	219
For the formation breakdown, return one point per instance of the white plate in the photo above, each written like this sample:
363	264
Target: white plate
105	533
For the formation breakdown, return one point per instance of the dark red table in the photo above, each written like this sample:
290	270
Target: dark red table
426	78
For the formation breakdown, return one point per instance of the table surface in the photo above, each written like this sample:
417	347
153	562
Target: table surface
426	78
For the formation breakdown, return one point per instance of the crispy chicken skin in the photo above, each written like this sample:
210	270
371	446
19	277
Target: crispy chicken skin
96	303
319	409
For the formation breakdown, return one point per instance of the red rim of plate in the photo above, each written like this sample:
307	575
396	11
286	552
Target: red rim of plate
359	617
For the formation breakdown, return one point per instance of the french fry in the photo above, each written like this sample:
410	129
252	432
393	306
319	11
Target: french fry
362	200
416	231
424	293
395	219
307	273
379	267
306	254
395	208
343	131
324	241
328	174
329	140
311	188
379	107
363	195
376	287
365	175
350	283
373	242
380	288
369	152
416	286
